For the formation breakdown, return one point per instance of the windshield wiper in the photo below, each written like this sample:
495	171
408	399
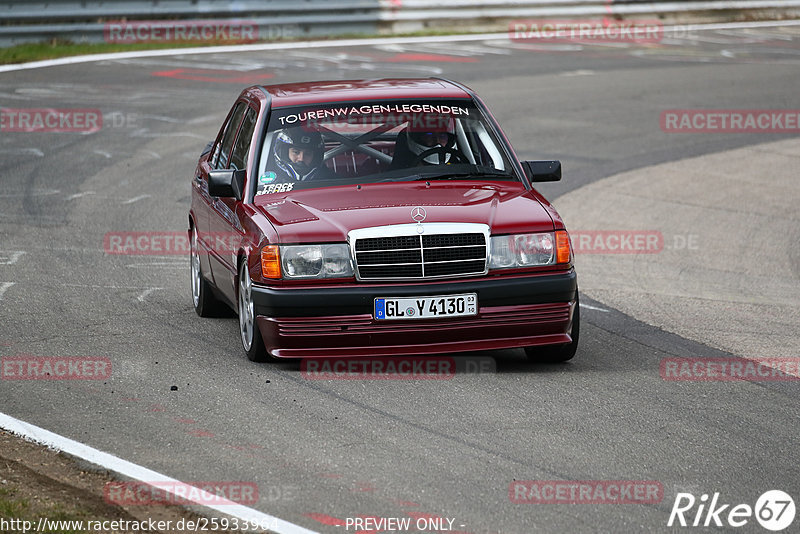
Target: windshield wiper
449	175
444	175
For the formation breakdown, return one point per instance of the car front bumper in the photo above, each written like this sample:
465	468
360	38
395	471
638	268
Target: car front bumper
337	321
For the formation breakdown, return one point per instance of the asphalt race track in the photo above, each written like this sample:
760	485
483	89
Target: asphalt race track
322	451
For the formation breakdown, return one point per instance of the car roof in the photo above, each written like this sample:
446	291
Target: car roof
305	93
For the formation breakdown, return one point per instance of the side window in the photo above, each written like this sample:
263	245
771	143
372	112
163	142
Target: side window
242	145
223	151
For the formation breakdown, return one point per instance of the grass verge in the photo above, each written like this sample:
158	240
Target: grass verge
23	53
57	48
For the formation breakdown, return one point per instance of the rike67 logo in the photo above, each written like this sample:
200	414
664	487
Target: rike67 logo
774	510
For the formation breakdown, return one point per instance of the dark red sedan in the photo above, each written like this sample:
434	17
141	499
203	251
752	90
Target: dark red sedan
376	218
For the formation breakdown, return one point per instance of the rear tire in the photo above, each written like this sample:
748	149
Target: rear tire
559	353
252	343
203	299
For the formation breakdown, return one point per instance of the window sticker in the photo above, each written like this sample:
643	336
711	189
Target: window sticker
350	111
267	178
271	189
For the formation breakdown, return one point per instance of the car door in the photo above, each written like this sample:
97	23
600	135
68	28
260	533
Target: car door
202	201
224	224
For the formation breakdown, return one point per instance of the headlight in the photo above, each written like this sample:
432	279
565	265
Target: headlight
529	250
316	261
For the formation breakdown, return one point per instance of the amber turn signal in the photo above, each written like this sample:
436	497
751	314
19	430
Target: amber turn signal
563	249
271	262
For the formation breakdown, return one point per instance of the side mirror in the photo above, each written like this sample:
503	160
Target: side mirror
542	171
226	183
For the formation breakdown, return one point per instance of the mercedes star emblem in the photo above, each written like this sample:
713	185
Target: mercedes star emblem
418	214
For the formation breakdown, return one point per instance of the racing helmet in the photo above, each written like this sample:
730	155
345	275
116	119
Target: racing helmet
302	139
420	140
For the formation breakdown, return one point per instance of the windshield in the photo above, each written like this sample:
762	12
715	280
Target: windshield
365	142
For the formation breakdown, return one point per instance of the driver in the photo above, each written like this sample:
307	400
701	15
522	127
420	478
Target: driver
298	154
420	142
440	145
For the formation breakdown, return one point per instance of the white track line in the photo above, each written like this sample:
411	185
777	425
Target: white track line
593	308
136	199
4	287
142	474
146	292
344	43
80	195
10	257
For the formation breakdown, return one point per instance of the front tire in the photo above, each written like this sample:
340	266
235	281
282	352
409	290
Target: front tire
203	299
251	337
559	353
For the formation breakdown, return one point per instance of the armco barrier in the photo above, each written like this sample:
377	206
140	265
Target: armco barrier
86	20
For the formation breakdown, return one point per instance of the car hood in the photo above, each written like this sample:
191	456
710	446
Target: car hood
327	215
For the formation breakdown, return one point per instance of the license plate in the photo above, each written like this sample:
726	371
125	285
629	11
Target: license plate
426	307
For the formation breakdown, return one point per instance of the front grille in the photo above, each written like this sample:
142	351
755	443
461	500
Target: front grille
420	256
387	243
452	240
377	272
452	269
386	257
